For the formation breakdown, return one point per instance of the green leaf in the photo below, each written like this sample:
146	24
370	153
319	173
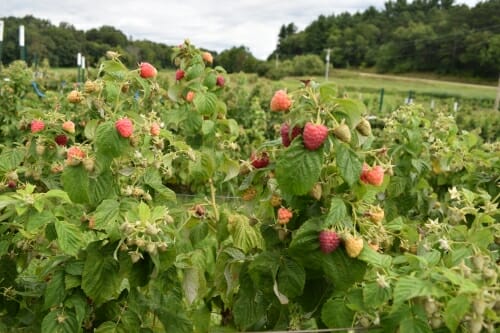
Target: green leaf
204	167
335	314
337	213
106	215
57	194
305	239
38	220
348	162
102	187
298	169
194	71
10	159
230	168
152	178
175	321
455	311
343	270
350	110
54	292
205	103
408	287
75	181
60	322
100	280
108	141
374	258
90	129
291	277
328	92
374	295
415	324
174	92
69	237
245	237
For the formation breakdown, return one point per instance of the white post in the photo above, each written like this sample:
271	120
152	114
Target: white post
79	59
83	62
327	63
455	106
21	35
1	31
21	42
432	104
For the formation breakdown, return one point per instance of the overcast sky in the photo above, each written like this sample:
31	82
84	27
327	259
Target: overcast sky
215	25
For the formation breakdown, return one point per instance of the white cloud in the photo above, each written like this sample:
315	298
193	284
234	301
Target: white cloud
212	25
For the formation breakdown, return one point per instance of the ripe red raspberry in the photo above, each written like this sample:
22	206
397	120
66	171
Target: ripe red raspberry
125	127
179	74
74	155
147	70
373	176
260	160
284	215
286	136
69	126
61	139
220	81
190	96
314	135
328	241
37	126
154	130
280	101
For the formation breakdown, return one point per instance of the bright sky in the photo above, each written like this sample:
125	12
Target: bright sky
214	25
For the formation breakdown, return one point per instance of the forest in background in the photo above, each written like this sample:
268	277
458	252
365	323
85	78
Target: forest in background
432	36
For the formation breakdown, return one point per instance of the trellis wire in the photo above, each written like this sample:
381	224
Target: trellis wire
321	330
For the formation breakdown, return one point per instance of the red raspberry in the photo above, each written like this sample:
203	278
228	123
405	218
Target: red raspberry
280	101
220	81
75	155
69	126
314	135
260	160
179	74
147	70
125	127
154	129
286	137
61	140
37	126
328	241
284	215
373	176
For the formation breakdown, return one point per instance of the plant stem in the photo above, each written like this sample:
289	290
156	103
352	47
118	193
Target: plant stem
212	197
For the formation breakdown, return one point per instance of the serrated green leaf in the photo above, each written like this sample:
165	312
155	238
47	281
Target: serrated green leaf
455	311
152	178
101	280
343	270
102	187
60	322
69	237
175	321
408	287
174	92
90	129
75	181
245	237
205	103
350	110
10	159
106	215
336	214
298	169
374	295
348	163
328	92
143	212
38	220
194	71
374	258
54	292
335	314
305	239
108	141
291	277
230	168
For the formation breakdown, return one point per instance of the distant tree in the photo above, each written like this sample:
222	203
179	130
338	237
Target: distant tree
237	59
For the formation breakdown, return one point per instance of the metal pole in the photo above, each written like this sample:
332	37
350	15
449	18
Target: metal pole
381	101
497	99
327	63
22	48
83	69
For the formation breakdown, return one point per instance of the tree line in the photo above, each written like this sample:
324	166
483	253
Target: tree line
420	36
436	36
